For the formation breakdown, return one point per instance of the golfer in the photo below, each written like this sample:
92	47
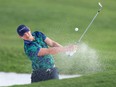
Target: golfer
39	48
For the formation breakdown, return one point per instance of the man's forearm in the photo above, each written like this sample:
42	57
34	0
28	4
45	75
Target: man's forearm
55	50
52	50
55	44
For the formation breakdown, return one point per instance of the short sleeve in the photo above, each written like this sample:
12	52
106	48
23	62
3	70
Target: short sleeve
43	36
40	34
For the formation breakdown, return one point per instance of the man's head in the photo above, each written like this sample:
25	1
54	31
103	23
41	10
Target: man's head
22	29
24	32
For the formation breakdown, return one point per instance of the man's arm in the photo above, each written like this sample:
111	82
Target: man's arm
52	43
54	48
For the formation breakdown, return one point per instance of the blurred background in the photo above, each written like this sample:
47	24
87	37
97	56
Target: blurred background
57	19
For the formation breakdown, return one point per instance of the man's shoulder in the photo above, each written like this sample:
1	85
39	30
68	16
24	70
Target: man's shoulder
39	34
36	32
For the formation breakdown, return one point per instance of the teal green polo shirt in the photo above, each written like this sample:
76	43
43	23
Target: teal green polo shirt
32	49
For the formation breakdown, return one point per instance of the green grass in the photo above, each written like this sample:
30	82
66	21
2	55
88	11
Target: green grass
105	79
57	19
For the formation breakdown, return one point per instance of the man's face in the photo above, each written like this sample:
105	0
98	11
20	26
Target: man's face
27	35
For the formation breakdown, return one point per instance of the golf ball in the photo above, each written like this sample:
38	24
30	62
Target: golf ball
76	29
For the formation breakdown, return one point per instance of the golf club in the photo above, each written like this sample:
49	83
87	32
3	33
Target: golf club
71	53
91	22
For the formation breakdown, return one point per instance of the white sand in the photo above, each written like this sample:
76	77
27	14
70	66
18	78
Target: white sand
9	79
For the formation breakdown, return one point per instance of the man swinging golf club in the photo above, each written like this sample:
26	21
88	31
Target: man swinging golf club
39	49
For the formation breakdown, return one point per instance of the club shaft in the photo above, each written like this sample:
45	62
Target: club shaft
88	27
